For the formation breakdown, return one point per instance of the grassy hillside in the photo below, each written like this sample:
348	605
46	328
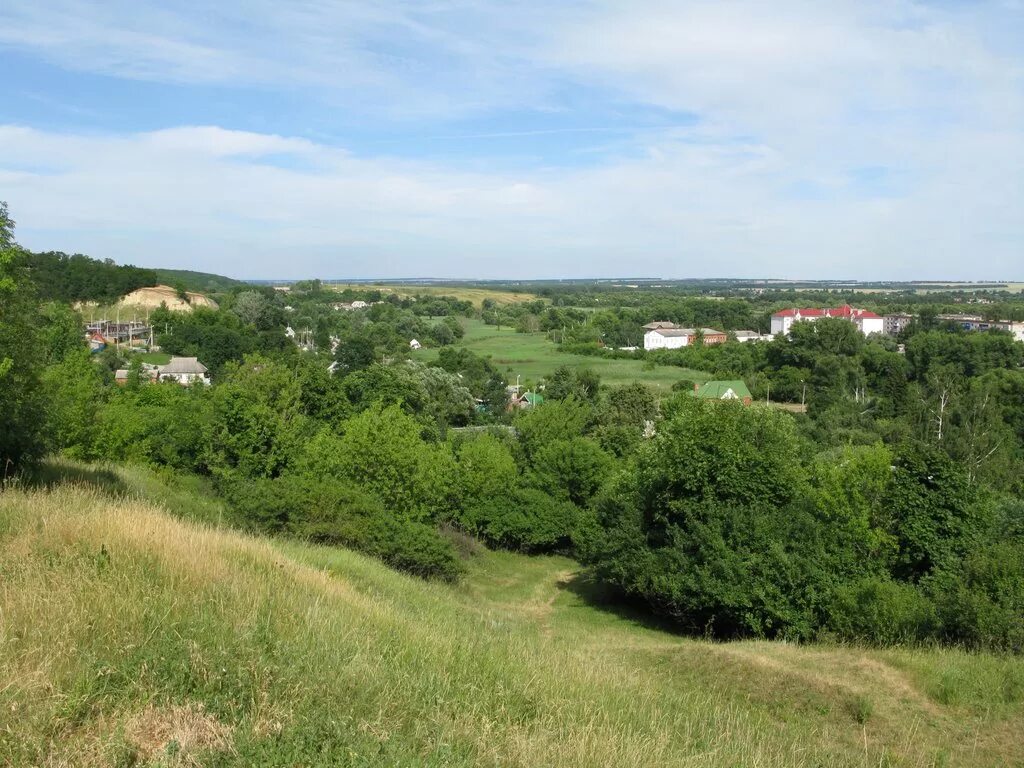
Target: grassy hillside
533	355
131	636
201	282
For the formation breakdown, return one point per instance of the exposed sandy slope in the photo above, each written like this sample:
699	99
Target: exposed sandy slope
152	298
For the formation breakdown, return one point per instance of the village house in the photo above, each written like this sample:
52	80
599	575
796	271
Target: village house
97	342
525	400
867	322
344	306
723	390
665	335
147	373
184	370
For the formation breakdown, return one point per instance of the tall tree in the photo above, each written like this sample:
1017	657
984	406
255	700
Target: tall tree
21	413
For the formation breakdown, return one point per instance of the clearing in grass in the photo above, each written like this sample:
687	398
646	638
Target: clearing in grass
533	356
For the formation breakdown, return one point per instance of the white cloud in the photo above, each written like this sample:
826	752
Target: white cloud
866	138
686	209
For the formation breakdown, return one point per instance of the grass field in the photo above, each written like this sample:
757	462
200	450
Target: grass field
474	295
533	355
155	358
131	637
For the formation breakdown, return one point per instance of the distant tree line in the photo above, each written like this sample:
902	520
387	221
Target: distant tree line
62	277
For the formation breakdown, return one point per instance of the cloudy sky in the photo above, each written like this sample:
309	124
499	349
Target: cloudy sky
453	138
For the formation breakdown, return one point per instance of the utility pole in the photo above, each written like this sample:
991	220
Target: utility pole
803	392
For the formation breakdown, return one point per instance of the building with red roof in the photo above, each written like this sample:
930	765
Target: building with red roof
867	322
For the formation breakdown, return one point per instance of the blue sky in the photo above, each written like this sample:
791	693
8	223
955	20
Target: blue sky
455	138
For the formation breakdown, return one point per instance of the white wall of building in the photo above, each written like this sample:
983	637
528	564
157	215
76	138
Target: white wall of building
781	324
866	325
654	340
869	325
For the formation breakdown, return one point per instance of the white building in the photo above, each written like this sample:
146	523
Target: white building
744	336
414	344
184	370
664	335
866	322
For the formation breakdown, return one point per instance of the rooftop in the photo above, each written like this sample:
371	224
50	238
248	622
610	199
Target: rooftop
660	324
846	311
180	365
723	390
687	331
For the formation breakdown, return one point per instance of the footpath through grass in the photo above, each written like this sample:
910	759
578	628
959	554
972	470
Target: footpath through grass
129	636
533	356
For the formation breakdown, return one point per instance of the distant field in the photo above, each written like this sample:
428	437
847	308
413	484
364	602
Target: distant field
533	355
475	295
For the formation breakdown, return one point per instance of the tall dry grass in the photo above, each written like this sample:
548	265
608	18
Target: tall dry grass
128	636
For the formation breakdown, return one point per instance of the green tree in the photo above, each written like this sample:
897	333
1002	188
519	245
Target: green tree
74	394
258	425
251	307
706	524
581	383
554	420
572	469
382	452
935	510
22	414
487	469
60	333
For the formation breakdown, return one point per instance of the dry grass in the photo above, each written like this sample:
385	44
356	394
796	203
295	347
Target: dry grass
128	636
464	293
176	734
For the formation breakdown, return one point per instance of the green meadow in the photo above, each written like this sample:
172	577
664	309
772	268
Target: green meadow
136	631
533	356
475	295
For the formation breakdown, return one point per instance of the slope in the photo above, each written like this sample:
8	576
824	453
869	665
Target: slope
199	282
130	636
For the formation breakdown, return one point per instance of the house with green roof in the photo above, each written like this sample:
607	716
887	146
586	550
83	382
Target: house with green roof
723	390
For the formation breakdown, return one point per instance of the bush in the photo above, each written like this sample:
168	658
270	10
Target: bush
381	451
573	469
527	520
878	610
980	601
412	547
326	511
707	524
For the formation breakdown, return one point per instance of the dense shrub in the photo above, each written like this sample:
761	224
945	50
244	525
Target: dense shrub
527	520
326	511
877	609
707	526
163	424
571	469
980	598
381	451
555	420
